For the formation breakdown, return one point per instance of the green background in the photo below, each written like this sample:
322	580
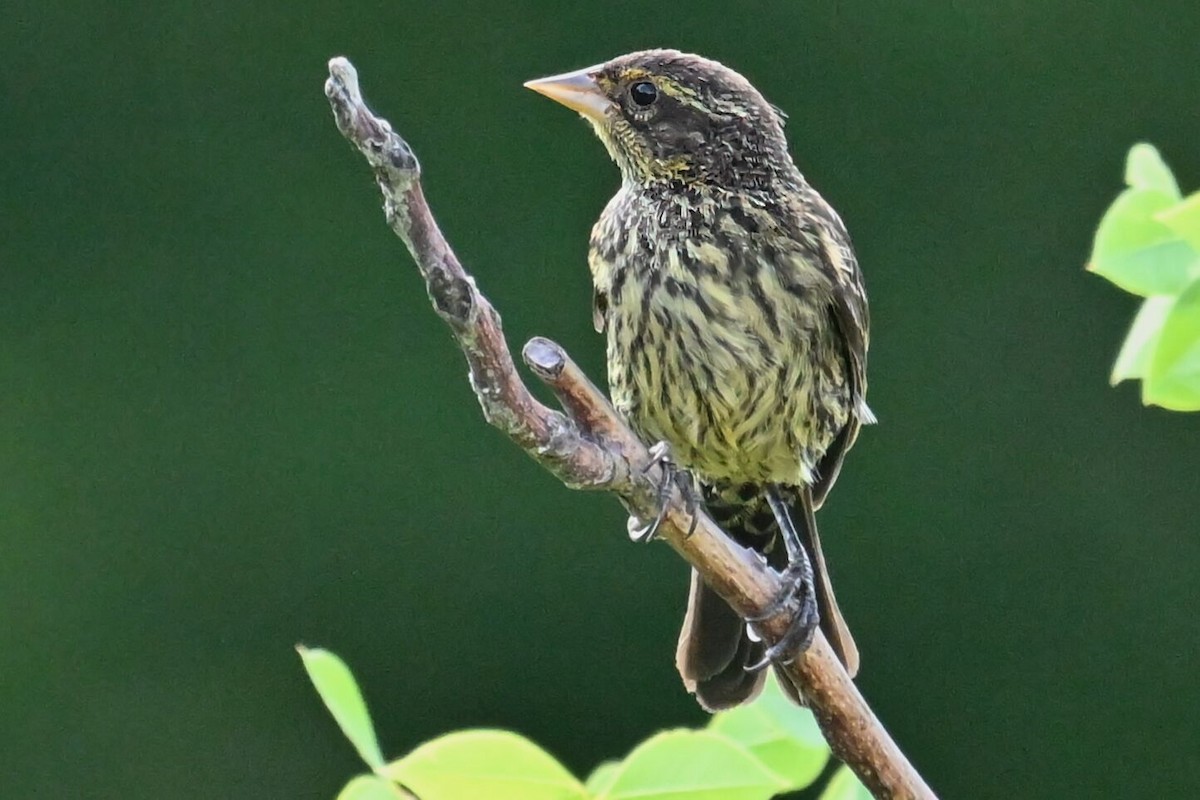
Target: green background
229	421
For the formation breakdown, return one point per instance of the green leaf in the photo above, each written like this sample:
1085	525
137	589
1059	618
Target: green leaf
1183	219
371	787
498	765
1137	252
844	785
692	765
337	688
1145	169
1174	377
780	734
1134	359
602	777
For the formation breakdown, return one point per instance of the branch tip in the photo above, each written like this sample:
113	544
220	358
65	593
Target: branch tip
344	77
545	358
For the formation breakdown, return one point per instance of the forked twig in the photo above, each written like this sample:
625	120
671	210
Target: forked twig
586	445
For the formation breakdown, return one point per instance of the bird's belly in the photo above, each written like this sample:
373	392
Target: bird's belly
734	401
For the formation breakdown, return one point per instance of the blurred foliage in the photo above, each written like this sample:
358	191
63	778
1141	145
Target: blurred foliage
753	752
1149	245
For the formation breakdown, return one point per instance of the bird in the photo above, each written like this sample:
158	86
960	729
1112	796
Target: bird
737	330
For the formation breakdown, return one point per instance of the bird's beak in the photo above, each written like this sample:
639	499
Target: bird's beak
576	90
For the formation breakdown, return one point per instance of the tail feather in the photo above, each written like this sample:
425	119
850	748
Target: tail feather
714	651
714	645
833	625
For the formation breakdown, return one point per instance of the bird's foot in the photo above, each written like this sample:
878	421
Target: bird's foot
671	476
797	585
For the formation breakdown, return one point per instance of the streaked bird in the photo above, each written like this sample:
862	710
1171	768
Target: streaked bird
737	331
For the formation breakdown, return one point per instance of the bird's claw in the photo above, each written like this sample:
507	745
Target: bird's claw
672	475
797	584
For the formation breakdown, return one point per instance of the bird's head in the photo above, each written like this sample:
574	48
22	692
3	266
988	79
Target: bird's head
667	116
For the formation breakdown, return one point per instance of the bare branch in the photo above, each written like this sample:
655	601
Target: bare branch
589	446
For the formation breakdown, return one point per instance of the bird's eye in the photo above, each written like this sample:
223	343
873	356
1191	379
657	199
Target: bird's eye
643	93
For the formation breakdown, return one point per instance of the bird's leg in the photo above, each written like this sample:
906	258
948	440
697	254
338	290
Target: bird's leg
672	475
797	582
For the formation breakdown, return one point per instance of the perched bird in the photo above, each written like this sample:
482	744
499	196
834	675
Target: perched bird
737	330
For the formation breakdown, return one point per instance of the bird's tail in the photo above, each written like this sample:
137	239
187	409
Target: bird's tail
714	646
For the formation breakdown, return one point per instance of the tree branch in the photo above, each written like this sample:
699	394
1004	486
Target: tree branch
587	445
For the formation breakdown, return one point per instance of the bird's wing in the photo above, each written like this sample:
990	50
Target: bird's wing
850	310
823	231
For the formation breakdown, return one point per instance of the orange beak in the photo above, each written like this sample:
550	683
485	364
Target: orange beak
576	90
